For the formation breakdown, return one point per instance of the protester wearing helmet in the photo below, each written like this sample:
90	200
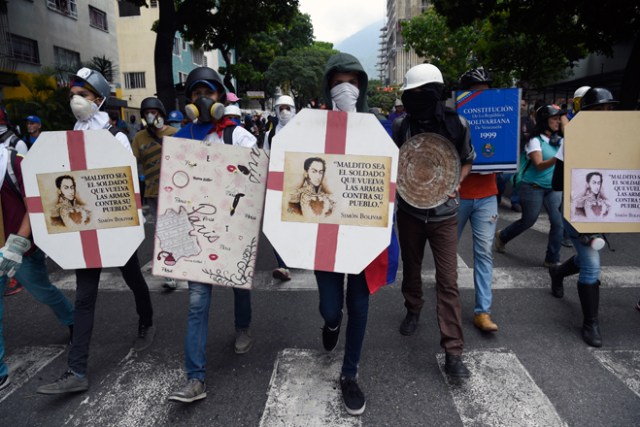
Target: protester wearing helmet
587	258
577	99
205	93
423	96
147	148
233	113
89	92
537	166
398	110
7	137
479	206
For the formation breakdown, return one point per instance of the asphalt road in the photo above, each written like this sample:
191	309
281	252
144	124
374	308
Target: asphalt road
534	371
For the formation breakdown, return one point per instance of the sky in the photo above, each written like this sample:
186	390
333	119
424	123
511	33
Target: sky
335	20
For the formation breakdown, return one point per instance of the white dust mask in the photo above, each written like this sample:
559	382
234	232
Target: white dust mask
284	116
82	108
345	96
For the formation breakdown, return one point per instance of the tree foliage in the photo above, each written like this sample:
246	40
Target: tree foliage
534	37
300	72
381	96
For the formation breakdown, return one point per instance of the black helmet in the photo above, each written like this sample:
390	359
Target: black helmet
475	76
596	96
543	113
206	76
155	103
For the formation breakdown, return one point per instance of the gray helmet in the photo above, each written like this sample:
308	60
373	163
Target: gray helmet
92	80
475	76
155	103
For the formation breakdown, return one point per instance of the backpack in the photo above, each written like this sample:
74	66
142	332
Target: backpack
10	176
13	139
227	134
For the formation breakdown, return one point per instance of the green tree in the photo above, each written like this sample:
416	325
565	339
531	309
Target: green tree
535	36
104	65
381	96
300	72
212	24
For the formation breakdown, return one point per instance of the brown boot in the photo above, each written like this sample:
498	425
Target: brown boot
483	322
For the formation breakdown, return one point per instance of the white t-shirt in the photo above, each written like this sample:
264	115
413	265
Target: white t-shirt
240	136
534	145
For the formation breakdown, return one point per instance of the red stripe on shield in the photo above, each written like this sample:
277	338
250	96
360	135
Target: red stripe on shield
392	192
326	246
78	161
275	181
34	204
336	137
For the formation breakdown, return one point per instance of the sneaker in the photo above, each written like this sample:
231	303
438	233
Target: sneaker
243	341
67	383
516	207
483	322
549	264
281	274
409	324
330	335
567	243
498	245
5	382
454	367
170	284
144	338
352	396
13	287
192	391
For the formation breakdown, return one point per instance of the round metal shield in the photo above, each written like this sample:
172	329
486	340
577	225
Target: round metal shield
428	170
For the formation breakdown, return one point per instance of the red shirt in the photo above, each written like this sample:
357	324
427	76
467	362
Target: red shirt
478	186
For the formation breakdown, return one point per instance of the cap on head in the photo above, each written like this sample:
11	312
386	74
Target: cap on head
232	97
33	119
175	117
597	96
204	76
92	80
421	75
153	103
398	103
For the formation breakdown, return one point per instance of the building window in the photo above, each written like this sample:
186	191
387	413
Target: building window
98	19
197	56
126	8
66	7
176	46
24	49
65	59
182	77
154	3
134	80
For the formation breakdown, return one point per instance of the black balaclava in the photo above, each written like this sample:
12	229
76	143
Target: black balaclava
424	107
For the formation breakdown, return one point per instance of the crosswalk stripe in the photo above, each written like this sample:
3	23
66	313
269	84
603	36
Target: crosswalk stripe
304	280
516	400
624	364
24	363
304	392
143	382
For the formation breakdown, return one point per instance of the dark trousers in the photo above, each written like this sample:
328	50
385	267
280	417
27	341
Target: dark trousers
87	281
442	236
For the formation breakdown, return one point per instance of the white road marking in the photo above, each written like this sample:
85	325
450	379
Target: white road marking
304	391
134	395
25	363
624	364
461	263
500	392
304	280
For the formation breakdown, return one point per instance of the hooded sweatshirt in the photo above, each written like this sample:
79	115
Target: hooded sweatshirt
345	63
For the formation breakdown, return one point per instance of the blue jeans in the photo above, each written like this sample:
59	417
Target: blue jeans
483	215
501	181
33	275
331	292
586	258
195	343
532	198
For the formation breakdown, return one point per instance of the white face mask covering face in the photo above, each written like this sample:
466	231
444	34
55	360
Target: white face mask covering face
284	116
82	108
344	96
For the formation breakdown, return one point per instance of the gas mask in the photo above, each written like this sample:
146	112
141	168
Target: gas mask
82	108
154	120
205	110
